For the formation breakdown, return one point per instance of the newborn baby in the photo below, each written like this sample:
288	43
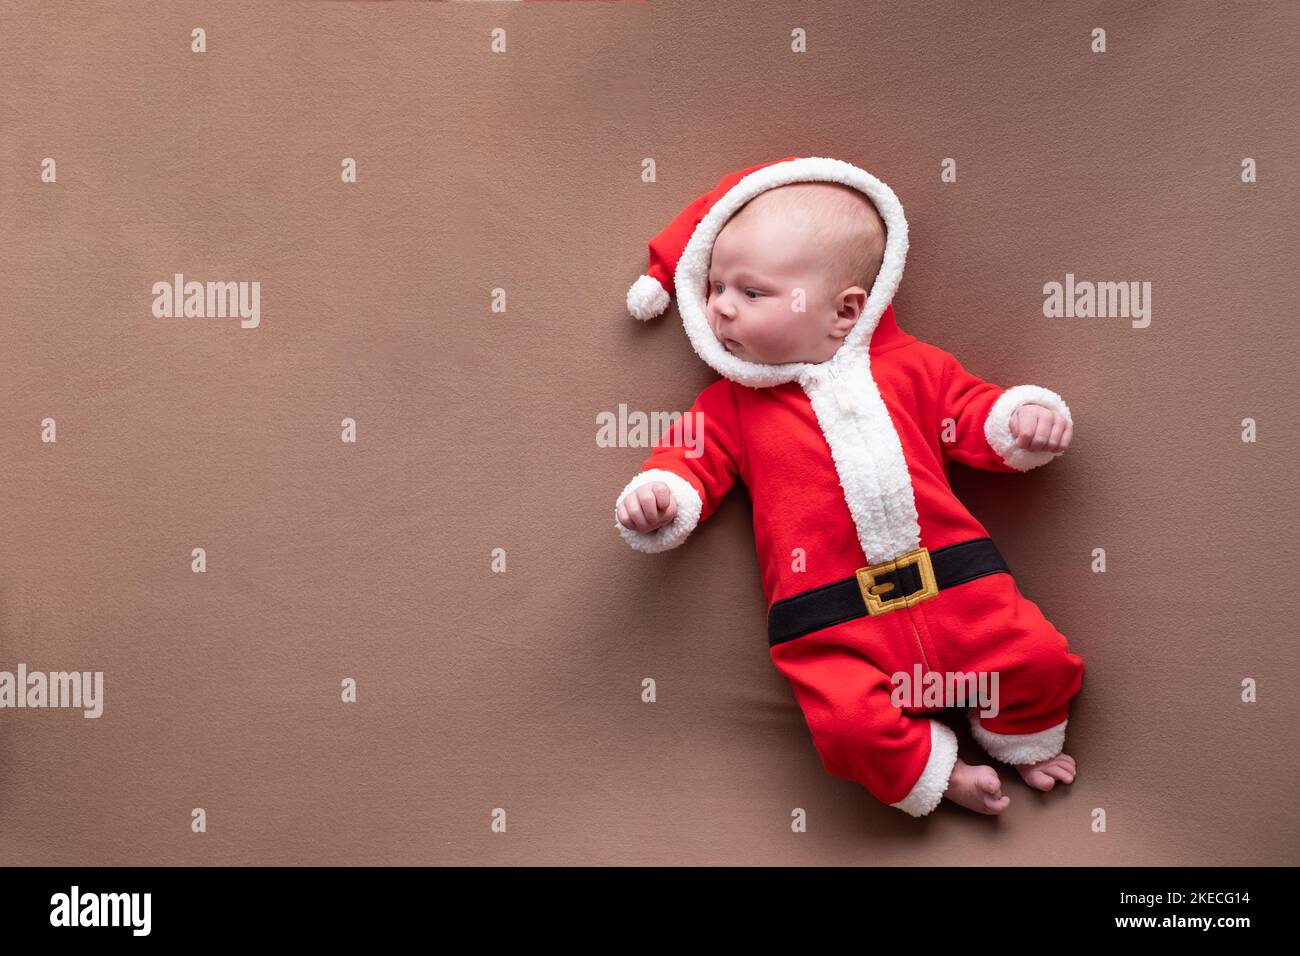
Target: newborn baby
842	426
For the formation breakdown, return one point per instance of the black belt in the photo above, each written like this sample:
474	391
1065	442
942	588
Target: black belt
908	579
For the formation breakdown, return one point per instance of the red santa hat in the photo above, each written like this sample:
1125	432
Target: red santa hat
650	294
680	255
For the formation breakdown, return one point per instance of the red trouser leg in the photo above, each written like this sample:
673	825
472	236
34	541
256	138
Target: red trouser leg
988	625
902	760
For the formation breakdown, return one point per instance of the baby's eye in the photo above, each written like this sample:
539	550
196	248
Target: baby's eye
754	291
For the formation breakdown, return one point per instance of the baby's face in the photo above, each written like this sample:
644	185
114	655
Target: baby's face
755	305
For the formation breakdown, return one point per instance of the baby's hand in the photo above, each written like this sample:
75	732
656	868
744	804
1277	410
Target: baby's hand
648	508
1040	429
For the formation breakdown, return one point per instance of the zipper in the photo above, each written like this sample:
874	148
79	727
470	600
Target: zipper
925	660
841	389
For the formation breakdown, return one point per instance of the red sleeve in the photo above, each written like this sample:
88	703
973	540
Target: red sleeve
698	458
975	420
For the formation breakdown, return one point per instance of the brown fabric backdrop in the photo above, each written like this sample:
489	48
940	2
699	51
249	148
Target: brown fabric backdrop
477	430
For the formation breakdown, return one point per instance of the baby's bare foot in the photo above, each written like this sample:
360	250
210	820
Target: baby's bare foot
1044	774
976	788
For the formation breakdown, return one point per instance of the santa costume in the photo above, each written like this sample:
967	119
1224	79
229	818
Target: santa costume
870	564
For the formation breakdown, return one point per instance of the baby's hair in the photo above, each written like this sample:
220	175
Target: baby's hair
837	218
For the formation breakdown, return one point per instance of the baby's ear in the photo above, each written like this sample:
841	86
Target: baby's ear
843	324
850	303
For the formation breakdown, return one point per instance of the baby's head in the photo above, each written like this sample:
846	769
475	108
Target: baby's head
791	272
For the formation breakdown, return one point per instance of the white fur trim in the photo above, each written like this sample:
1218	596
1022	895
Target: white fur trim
867	452
689	507
1019	748
997	427
647	298
930	786
691	277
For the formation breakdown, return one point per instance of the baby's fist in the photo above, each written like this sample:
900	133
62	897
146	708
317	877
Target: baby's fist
1040	429
647	508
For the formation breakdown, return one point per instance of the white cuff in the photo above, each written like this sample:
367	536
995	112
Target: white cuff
1019	748
671	535
932	783
997	427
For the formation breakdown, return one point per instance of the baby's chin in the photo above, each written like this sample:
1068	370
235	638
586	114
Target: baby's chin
738	350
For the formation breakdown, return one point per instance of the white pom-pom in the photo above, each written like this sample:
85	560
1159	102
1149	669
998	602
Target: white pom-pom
647	298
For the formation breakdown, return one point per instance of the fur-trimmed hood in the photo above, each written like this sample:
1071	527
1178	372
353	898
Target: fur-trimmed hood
686	248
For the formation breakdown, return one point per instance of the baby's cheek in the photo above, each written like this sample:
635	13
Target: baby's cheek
759	336
775	338
786	329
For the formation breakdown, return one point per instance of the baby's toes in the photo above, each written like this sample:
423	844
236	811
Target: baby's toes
996	804
989	781
1060	772
1038	779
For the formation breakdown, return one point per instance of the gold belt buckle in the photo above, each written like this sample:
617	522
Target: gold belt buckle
871	591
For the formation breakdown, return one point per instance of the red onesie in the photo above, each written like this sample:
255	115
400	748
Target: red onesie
846	463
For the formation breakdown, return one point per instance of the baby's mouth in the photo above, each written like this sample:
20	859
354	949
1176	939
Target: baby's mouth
731	344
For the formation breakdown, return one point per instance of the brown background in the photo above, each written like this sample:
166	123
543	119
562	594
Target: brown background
477	430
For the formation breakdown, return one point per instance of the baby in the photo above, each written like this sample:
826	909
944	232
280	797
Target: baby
842	427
